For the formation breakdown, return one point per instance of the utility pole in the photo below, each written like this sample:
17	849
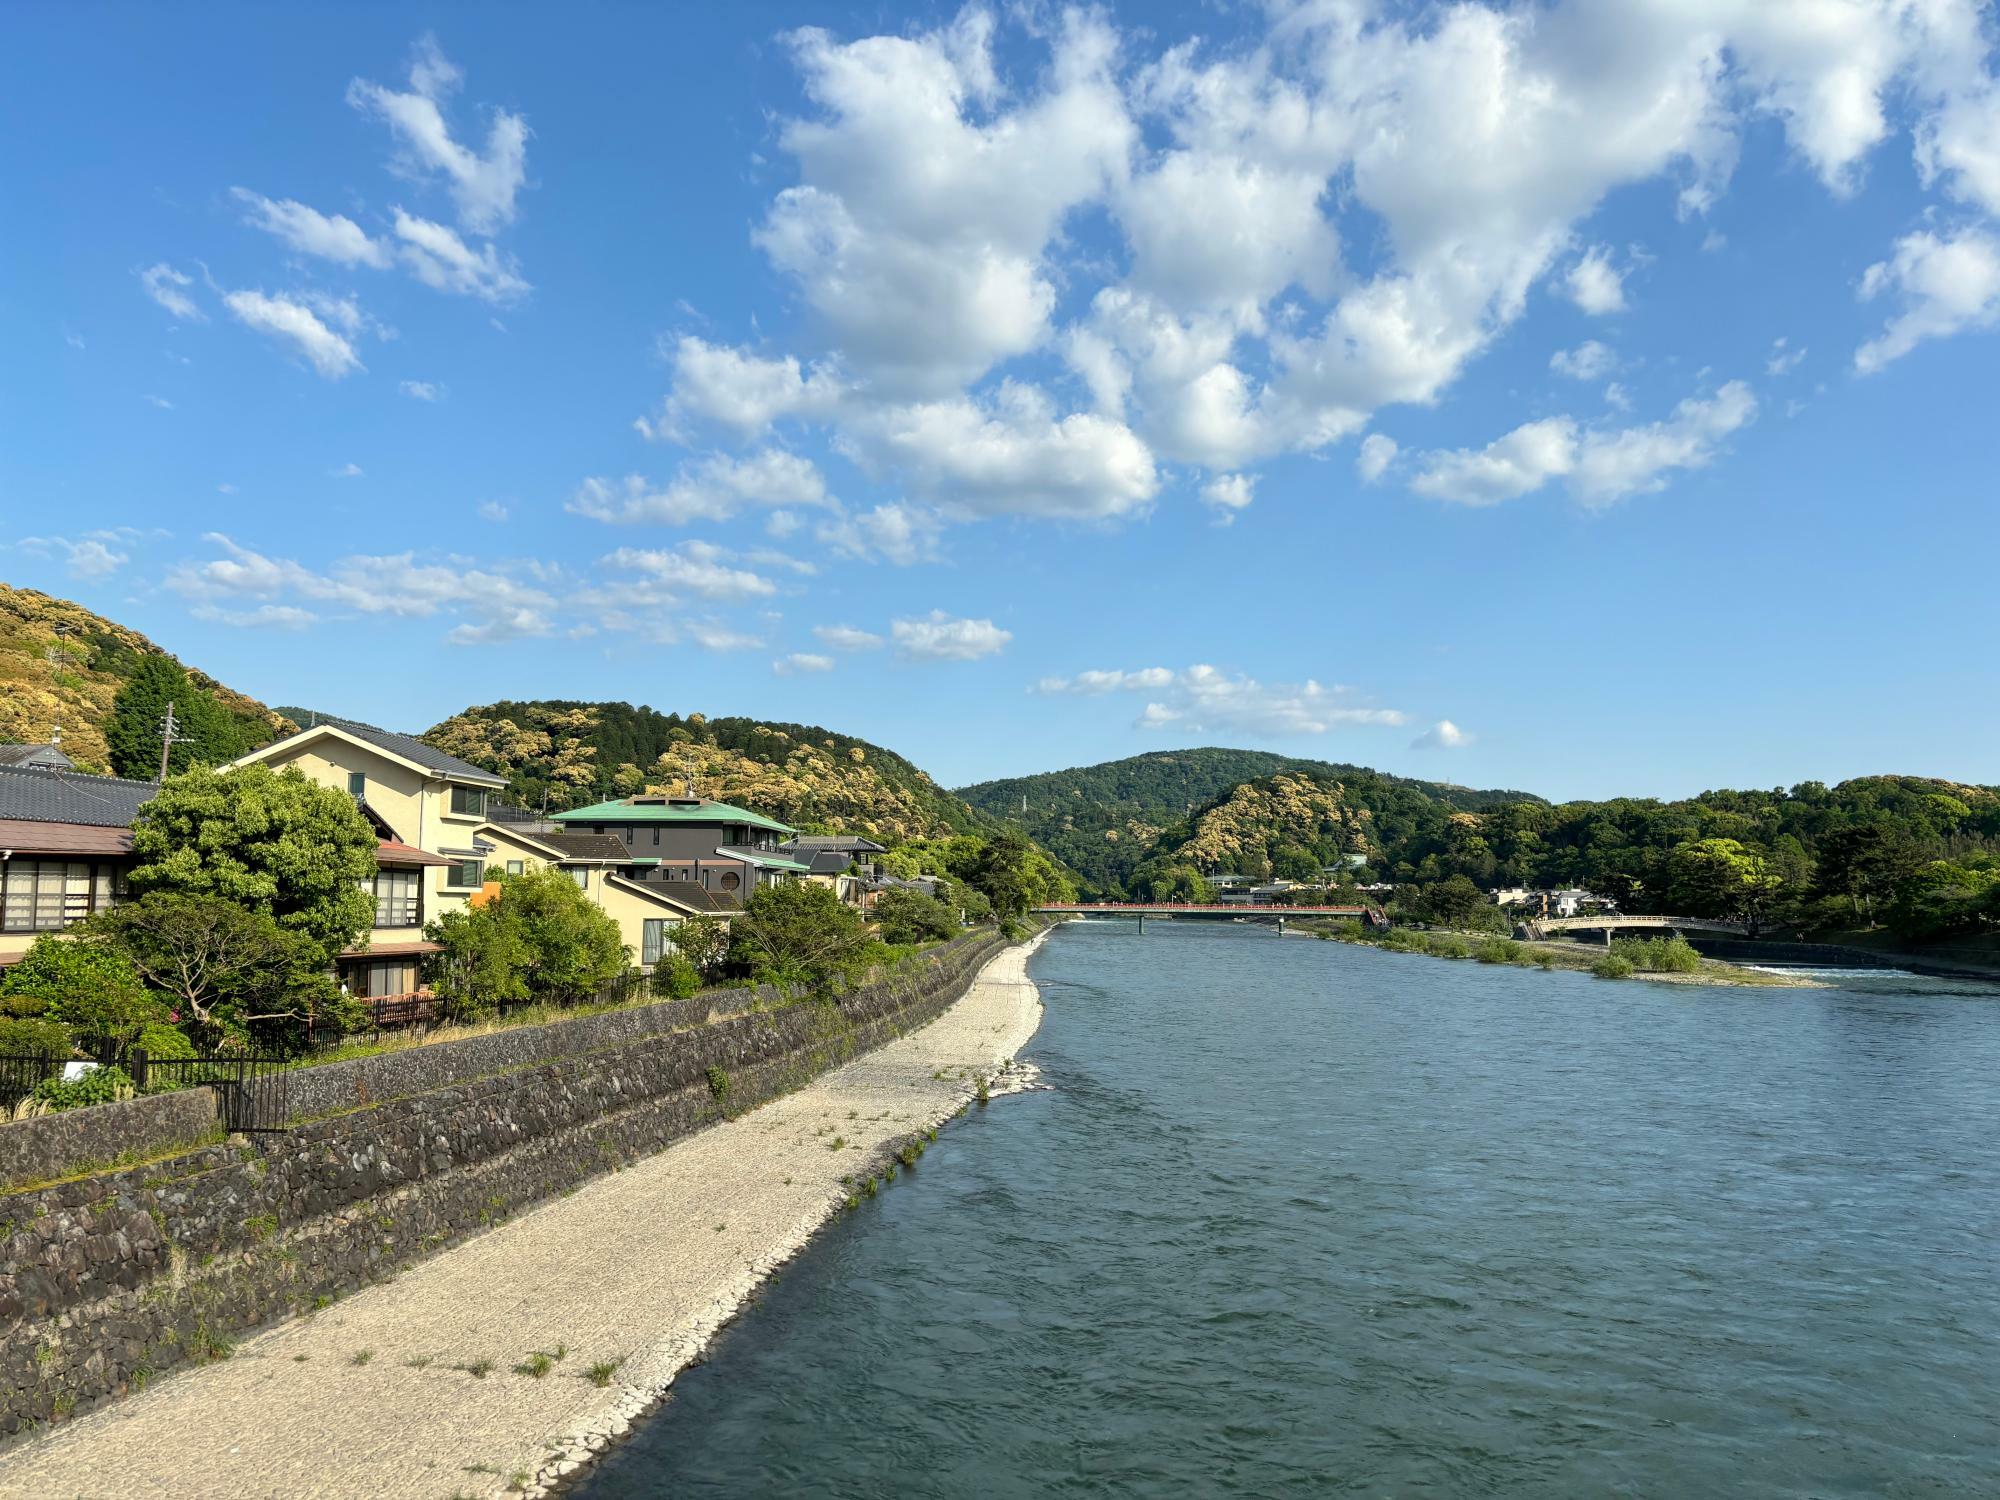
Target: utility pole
169	737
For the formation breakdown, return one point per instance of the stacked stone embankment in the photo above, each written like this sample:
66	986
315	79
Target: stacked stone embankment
112	1278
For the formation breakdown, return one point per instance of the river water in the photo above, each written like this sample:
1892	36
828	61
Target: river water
1294	1217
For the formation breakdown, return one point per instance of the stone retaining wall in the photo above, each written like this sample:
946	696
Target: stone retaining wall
50	1146
110	1279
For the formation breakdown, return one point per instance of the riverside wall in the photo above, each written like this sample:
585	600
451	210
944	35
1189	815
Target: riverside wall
113	1278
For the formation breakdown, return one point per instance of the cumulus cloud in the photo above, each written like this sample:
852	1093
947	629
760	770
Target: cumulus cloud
799	663
1783	359
168	287
1946	284
492	510
494	605
1205	698
1372	459
890	532
422	390
482	183
333	237
1229	493
693	568
438	257
1599	466
1589	360
714	489
94	555
1594	284
740	391
938	636
1443	735
848	638
294	323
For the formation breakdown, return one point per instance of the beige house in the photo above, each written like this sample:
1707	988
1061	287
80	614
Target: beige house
646	912
428	809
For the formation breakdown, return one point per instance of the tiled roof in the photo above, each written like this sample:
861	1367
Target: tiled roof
668	810
39	794
606	847
389	852
412	749
31	839
836	842
34	755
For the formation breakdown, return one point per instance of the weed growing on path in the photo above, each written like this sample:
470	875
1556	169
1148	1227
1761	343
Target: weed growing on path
600	1373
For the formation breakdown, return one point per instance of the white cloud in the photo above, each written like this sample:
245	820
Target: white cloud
1016	456
263	617
1523	460
1229	493
1599	466
94	555
1589	360
892	532
1784	359
495	604
492	510
848	638
1371	461
348	471
714	489
160	401
167	287
483	184
1205	698
1595	285
926	195
1946	284
293	322
801	662
421	390
741	391
1443	735
693	568
439	258
332	237
940	637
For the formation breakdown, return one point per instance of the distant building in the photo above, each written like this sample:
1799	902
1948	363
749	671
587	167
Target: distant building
844	861
1227	882
729	851
49	757
1515	895
65	846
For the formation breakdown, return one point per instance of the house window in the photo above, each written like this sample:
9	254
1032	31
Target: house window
652	941
464	874
44	895
381	981
516	867
581	875
731	837
357	784
731	880
469	801
656	838
398	898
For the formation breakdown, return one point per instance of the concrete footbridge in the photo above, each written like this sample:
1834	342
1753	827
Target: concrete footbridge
1610	922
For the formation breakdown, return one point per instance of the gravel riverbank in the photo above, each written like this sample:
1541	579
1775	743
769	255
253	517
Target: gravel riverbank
427	1386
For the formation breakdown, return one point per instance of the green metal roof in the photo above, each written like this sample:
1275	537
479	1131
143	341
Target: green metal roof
628	810
767	861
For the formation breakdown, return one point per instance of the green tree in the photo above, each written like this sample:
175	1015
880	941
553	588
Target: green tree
797	932
913	917
267	840
1865	861
1719	878
482	961
233	975
205	733
1455	902
574	946
87	984
704	942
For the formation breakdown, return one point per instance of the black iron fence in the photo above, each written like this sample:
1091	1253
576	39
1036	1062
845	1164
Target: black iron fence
252	1093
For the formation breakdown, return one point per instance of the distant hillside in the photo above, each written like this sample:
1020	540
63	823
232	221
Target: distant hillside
566	754
1104	820
62	666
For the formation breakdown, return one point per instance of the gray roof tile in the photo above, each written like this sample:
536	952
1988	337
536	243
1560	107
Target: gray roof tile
38	794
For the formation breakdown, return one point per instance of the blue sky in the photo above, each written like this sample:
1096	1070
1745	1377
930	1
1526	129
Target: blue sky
1589	399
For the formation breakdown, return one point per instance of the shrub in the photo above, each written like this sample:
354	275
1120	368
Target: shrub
913	917
798	933
98	1086
675	977
1671	955
163	1043
1444	945
30	1034
1611	966
1500	951
1349	930
87	984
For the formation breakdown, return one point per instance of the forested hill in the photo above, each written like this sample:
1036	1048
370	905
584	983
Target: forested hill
1104	820
567	754
62	666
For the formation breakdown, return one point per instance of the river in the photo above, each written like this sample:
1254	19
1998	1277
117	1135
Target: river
1299	1217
